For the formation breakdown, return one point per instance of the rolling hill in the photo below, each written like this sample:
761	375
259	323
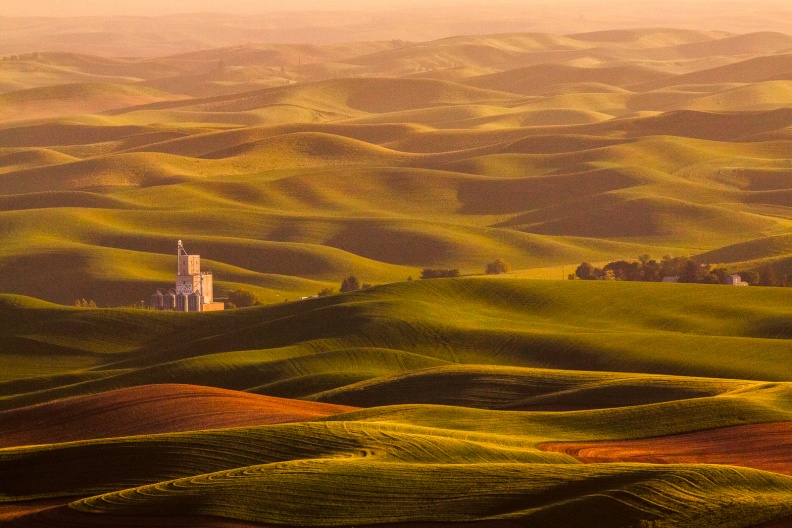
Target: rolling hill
377	148
454	406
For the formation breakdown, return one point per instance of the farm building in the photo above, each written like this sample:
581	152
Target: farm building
735	280
194	290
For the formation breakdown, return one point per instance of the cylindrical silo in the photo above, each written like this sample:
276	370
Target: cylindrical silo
169	300
157	301
194	302
182	302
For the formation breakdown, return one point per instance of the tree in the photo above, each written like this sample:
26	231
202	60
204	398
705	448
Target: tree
243	298
324	292
768	277
585	271
350	284
690	272
623	270
720	273
497	267
751	277
669	266
650	271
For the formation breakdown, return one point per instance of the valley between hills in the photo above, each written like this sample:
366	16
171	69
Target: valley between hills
513	400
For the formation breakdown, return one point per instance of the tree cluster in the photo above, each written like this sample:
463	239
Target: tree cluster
769	276
429	273
241	299
646	269
26	56
350	284
82	303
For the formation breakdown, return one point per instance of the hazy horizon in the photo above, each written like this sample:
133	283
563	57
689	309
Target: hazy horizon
78	8
69	8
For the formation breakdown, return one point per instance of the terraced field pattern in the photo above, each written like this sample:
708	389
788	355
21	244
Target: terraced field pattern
508	401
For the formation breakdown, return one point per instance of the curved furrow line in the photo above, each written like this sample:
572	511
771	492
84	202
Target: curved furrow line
334	492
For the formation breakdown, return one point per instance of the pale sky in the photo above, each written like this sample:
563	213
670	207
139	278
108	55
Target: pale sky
61	8
160	7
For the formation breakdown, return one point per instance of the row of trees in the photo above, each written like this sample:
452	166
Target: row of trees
495	267
82	303
647	269
685	269
430	273
769	276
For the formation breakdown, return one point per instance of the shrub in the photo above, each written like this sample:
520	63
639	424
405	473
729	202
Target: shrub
497	267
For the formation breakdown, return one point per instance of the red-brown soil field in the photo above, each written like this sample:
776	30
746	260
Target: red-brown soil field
761	446
151	409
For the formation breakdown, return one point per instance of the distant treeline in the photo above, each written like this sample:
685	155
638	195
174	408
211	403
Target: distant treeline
429	273
685	269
